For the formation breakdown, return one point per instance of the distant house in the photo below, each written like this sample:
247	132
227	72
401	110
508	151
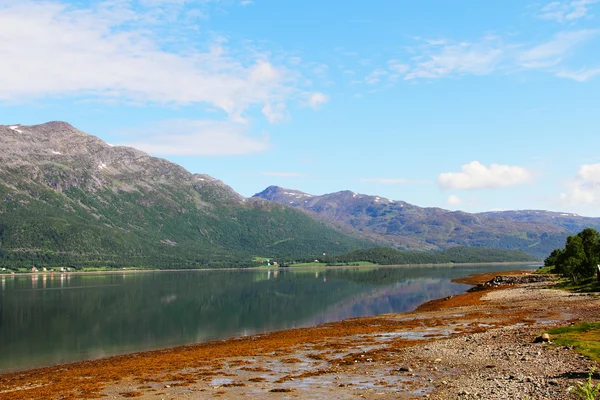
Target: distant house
34	269
275	263
316	261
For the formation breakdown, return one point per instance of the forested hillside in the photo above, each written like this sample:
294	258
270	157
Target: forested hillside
389	256
68	198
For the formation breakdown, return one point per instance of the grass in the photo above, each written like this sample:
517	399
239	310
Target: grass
586	390
584	337
309	264
587	285
545	270
101	269
320	264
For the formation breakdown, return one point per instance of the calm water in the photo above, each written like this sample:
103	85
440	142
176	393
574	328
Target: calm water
53	319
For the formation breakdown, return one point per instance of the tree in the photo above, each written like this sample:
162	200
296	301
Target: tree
574	258
555	258
580	257
591	244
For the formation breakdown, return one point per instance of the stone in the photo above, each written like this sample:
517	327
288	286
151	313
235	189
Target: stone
545	337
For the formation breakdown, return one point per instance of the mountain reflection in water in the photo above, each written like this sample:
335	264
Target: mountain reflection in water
50	319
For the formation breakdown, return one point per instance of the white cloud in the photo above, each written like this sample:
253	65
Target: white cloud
284	174
317	99
589	173
115	51
196	137
393	181
275	112
320	69
552	52
580	194
454	200
583	75
376	76
477	176
566	11
398	67
584	189
447	58
460	58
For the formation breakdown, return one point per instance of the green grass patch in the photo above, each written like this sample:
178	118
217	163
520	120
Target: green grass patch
356	264
309	264
584	337
588	285
545	270
101	269
341	264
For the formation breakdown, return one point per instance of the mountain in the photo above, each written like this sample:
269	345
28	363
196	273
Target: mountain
406	226
68	198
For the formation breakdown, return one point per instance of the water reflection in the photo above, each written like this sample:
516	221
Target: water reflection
47	320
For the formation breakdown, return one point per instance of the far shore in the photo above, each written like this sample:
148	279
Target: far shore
128	270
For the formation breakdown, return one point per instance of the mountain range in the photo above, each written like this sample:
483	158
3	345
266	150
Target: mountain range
69	198
409	227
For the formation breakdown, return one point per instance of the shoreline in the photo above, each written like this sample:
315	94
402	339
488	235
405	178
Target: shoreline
272	268
380	350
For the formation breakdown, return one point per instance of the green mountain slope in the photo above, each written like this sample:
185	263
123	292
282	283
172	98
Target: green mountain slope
68	198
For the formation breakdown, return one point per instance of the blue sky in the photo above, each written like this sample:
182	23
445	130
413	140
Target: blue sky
470	105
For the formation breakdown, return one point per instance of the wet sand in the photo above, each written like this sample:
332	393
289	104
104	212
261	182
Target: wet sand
475	345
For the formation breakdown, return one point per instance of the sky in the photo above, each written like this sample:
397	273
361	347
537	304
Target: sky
464	105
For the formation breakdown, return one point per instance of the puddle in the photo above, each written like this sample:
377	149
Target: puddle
547	321
220	381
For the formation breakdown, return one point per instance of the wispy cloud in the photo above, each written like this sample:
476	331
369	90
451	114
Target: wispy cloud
441	60
394	181
398	67
582	75
196	137
376	76
316	100
115	51
554	51
567	11
478	176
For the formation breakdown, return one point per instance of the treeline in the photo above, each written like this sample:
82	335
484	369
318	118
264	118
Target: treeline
59	230
389	256
579	258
